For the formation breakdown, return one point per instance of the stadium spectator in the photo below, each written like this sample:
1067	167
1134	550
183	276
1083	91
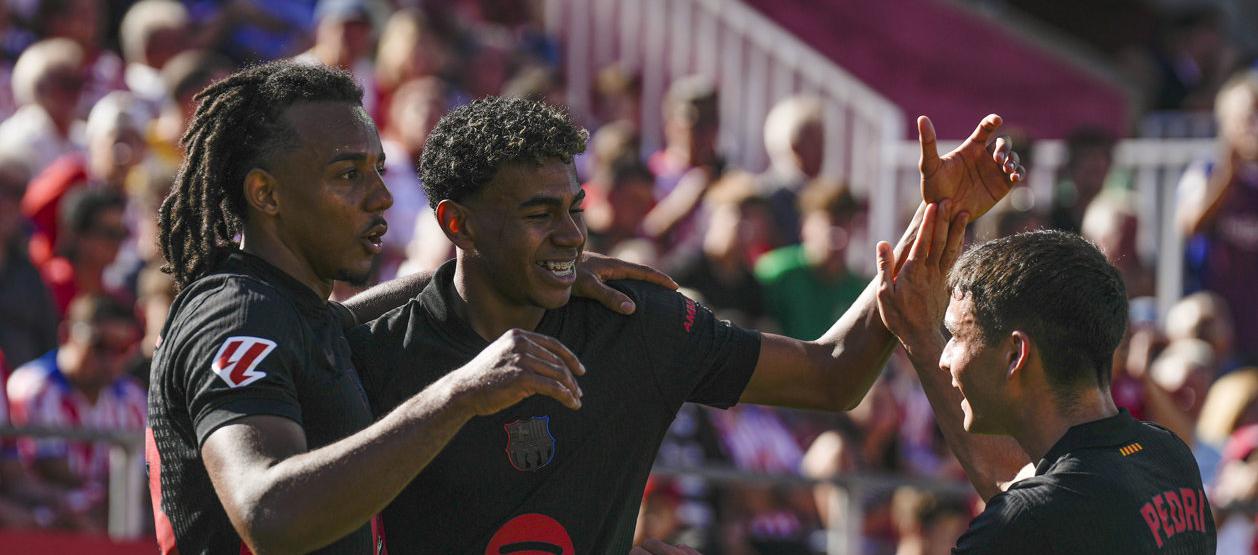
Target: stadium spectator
1089	156
343	39
29	326
506	195
1231	403
47	82
410	48
153	32
807	286
253	394
740	230
1219	206
1204	315
1025	377
687	165
928	524
83	22
1111	222
1235	493
794	137
415	108
154	295
182	77
81	384
93	229
618	97
115	145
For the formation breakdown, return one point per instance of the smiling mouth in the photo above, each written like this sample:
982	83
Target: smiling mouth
562	270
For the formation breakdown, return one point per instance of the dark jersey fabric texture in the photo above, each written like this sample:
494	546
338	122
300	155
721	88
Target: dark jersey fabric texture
1112	486
540	476
245	340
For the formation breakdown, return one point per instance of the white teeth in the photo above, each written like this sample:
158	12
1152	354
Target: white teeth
561	268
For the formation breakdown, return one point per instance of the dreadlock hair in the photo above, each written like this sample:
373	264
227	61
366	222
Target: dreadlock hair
470	144
239	124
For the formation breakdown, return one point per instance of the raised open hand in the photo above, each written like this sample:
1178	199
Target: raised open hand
976	175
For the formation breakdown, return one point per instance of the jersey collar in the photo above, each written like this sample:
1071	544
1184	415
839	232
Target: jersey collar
440	298
1106	432
245	263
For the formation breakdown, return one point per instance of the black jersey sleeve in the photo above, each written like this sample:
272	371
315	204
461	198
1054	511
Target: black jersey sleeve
241	351
1005	526
694	356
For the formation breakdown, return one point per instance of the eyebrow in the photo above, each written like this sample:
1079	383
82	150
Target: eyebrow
351	156
543	200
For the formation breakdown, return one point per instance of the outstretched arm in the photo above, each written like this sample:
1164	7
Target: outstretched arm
836	370
593	271
912	302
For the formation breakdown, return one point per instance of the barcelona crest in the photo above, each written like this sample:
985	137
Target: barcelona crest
529	443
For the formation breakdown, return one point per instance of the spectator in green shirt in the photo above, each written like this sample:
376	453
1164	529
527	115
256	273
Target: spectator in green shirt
807	286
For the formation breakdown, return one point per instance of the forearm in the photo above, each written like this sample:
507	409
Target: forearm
310	500
374	302
673	209
1199	212
989	461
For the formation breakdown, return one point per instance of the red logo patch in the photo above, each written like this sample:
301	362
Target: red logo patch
531	534
237	358
690	315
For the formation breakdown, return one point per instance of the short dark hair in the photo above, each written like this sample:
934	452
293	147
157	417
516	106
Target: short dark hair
82	206
471	143
238	126
92	308
1059	289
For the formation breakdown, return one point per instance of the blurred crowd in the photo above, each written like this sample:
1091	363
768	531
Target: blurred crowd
96	95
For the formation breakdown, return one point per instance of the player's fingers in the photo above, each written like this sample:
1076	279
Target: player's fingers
559	350
687	550
956	238
886	267
1000	149
612	268
557	372
609	297
925	232
1012	163
549	387
926	138
940	234
984	131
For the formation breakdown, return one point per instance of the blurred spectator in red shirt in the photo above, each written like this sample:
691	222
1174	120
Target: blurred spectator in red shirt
414	236
93	229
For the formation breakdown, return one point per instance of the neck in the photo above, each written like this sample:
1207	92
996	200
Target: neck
270	248
484	307
1043	422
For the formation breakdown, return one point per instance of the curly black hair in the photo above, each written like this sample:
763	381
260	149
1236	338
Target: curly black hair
238	125
470	144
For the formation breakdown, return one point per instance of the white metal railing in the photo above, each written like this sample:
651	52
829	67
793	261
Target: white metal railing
1156	166
754	62
127	491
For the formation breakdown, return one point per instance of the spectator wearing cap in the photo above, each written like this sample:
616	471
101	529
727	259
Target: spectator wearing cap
115	145
153	32
81	384
47	81
29	326
343	39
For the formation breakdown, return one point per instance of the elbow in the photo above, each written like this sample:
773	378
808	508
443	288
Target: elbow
268	530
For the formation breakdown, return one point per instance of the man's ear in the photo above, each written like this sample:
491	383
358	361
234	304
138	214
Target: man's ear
260	191
455	222
1020	351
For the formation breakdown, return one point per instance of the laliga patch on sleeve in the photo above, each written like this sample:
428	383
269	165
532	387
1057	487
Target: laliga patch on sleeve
237	358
